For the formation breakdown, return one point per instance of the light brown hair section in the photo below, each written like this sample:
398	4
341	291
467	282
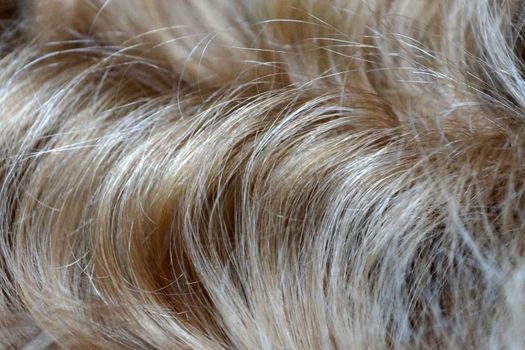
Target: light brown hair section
261	174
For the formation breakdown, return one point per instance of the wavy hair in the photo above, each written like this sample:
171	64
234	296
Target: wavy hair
263	174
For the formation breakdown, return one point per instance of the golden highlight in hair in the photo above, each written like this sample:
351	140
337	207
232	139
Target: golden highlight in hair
263	174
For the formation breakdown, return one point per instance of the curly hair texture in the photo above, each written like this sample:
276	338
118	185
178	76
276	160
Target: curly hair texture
262	174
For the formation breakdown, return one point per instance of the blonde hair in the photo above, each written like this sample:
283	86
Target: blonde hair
284	174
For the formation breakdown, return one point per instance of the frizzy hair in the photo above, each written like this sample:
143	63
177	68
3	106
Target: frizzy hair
282	174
